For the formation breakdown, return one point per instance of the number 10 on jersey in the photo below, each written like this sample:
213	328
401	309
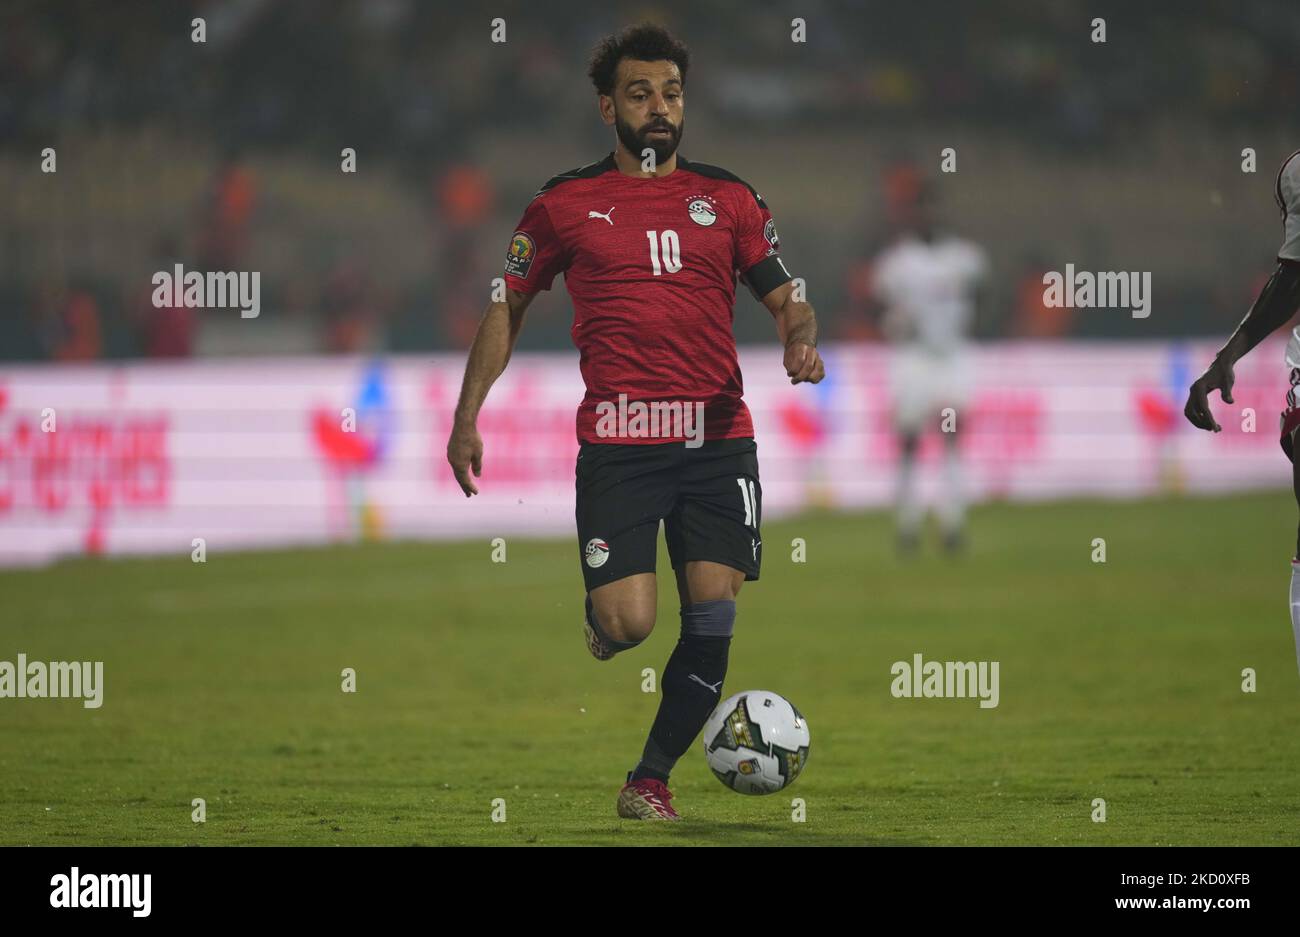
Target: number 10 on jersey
664	244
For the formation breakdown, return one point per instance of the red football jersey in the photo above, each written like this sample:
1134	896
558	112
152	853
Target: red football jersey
651	265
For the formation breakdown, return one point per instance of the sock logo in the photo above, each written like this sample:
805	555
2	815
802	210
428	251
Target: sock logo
711	686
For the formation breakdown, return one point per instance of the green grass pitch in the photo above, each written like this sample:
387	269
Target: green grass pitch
1120	681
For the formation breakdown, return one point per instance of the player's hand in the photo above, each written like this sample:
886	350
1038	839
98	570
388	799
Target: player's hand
1218	376
803	363
465	452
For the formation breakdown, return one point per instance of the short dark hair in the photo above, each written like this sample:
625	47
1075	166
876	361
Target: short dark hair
645	42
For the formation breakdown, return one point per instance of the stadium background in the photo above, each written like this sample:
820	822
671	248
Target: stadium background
225	155
179	424
1122	155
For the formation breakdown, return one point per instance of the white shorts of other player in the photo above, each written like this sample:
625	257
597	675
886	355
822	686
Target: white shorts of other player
922	382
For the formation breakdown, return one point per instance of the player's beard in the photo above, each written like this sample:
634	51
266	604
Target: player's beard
636	142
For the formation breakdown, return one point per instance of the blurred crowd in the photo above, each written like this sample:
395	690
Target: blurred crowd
414	71
281	82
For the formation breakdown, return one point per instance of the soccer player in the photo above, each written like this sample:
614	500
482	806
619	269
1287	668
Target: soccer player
926	283
1276	304
651	245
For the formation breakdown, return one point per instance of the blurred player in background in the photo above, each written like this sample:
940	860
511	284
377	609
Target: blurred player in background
1276	304
651	250
925	286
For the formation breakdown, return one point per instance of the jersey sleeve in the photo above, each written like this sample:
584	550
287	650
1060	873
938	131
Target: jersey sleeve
758	258
1288	200
535	254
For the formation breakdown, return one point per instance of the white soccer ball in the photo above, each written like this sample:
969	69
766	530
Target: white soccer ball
756	742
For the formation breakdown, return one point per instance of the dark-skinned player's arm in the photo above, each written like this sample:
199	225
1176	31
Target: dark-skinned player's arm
494	342
1276	304
796	324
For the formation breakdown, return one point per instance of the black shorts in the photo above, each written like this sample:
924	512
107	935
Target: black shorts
708	497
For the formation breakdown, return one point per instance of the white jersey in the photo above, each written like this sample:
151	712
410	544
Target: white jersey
928	289
1288	200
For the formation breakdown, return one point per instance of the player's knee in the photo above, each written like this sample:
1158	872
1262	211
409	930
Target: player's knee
709	582
624	622
631	626
719	591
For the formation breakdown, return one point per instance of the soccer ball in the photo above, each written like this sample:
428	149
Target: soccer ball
756	742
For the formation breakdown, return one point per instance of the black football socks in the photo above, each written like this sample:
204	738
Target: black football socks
691	686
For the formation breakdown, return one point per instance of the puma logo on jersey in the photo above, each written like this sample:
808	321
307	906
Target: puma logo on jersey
605	215
711	686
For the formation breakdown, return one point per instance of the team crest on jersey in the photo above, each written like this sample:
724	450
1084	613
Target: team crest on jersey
701	210
520	256
597	552
769	233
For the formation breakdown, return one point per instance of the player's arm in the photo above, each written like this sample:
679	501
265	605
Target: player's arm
796	324
489	354
767	279
1276	304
